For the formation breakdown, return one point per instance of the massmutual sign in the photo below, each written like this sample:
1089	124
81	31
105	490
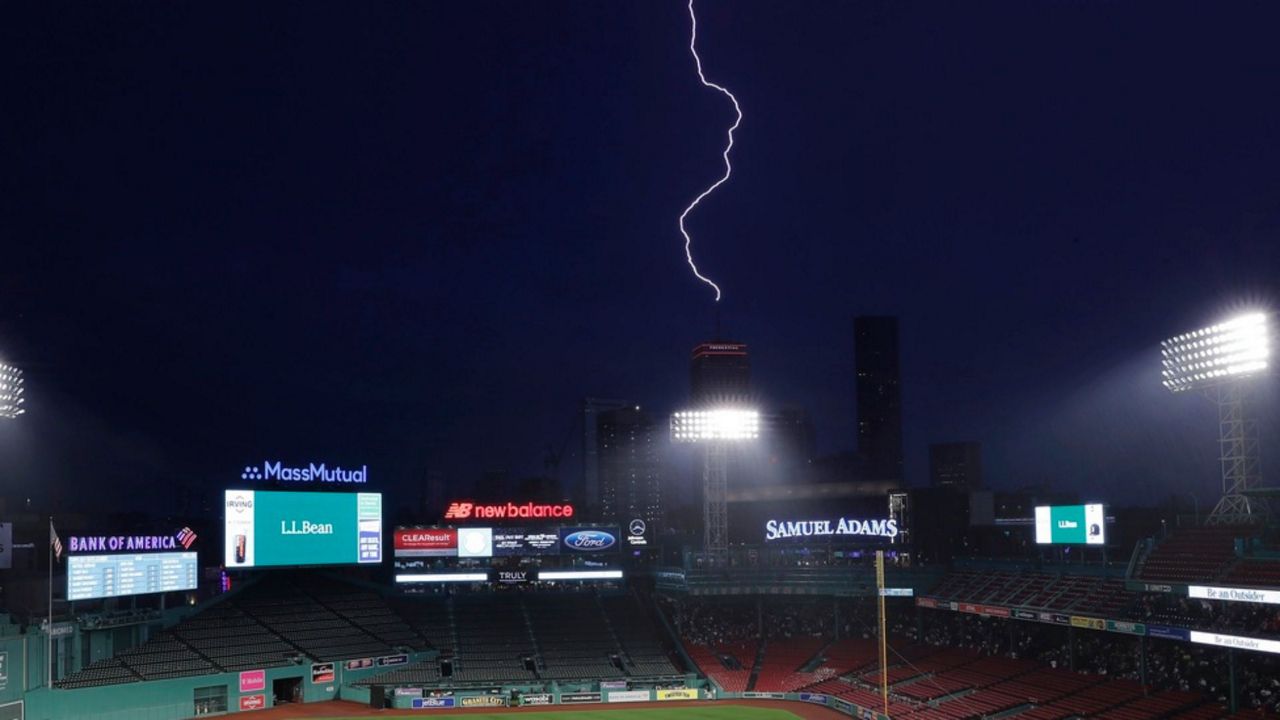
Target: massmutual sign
851	527
309	473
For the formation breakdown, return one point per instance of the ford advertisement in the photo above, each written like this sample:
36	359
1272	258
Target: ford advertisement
588	539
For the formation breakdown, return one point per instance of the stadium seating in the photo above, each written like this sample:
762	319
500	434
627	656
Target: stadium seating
1039	591
282	620
1192	555
1257	573
781	661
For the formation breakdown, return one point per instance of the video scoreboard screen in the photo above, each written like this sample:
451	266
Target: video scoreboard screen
282	529
103	576
1071	525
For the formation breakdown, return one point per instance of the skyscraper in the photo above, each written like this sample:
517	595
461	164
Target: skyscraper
719	371
879	391
591	409
956	465
629	466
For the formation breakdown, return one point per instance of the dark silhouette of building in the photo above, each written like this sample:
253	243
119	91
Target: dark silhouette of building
629	466
591	410
956	464
789	439
879	394
720	372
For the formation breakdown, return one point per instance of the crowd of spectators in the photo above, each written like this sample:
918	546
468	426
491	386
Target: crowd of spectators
1217	615
714	624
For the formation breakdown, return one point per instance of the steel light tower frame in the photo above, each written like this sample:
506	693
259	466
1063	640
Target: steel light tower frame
716	430
1219	360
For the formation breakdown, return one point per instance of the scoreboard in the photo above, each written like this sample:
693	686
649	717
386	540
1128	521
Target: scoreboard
103	576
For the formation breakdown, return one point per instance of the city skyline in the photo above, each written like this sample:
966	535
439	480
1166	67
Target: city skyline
420	253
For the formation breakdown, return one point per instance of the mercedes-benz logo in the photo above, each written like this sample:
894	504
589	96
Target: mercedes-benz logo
637	527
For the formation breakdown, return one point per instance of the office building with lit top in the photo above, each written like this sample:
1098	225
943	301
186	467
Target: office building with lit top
719	373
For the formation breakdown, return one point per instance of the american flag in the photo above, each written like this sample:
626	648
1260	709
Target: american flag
56	542
186	536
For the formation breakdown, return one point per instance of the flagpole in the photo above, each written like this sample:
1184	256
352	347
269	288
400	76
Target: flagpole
48	661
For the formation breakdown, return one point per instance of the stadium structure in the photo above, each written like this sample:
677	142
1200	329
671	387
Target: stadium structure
857	599
1060	616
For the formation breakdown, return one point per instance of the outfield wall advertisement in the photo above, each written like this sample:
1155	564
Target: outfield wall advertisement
274	529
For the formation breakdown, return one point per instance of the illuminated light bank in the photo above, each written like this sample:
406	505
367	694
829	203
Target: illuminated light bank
1239	347
778	529
580	575
442	577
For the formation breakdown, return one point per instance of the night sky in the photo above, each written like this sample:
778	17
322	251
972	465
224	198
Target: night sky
415	235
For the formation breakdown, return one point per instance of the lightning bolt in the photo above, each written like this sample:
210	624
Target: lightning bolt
728	167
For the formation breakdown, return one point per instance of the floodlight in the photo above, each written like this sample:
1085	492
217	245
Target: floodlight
10	391
720	424
1237	348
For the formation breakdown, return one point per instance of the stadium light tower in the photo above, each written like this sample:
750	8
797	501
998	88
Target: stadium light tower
1219	360
10	391
716	430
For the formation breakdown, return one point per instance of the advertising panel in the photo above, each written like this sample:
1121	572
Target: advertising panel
1071	525
588	539
475	542
391	660
1024	614
577	698
358	664
628	696
769	695
465	510
483	701
273	529
843	706
408	692
104	576
926	602
513	577
613	685
678	694
1250	595
995	611
321	673
1087	622
525	541
814	698
536	699
4	670
637	533
846	527
253	702
253	680
1129	628
1236	641
425	542
431	703
1168	633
